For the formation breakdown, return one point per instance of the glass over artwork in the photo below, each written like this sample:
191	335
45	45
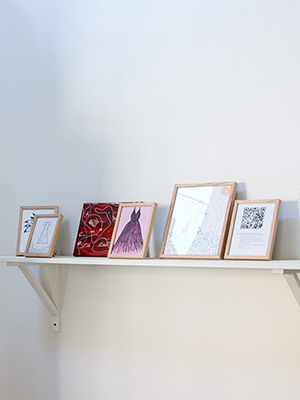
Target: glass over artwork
253	229
43	235
41	239
26	218
132	230
197	221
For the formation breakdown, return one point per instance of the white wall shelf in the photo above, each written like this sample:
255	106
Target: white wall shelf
288	268
156	262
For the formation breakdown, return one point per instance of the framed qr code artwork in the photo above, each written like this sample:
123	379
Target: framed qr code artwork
252	230
198	221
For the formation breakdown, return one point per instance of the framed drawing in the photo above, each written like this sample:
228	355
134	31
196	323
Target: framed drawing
95	229
26	218
132	230
198	221
43	235
252	230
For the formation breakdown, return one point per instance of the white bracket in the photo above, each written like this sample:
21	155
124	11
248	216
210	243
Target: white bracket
40	291
292	280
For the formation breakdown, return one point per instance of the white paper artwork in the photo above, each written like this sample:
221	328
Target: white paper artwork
252	229
42	236
27	221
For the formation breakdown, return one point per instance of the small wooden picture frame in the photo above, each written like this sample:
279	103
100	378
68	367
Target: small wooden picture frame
43	235
198	221
132	230
26	218
252	230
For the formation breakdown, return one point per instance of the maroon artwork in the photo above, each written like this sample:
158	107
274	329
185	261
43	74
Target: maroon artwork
95	229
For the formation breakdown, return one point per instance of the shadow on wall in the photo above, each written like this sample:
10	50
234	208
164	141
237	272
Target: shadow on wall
241	193
288	233
158	230
64	242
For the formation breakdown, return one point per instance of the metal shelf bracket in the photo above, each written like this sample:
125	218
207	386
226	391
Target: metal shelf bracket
40	291
292	280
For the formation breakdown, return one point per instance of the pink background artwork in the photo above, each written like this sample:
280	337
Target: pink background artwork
125	218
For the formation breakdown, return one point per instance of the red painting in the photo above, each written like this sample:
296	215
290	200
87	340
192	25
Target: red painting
95	229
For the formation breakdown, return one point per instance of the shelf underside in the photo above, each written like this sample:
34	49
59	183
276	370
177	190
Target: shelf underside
156	262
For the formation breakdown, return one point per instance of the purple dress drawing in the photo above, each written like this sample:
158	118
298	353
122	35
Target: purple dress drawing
130	240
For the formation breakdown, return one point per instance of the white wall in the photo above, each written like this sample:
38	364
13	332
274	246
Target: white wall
29	359
118	101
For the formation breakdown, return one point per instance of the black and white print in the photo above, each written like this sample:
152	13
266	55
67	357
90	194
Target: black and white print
253	218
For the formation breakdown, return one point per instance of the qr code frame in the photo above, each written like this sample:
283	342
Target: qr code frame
233	250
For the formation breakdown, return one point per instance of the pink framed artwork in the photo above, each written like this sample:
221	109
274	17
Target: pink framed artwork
132	230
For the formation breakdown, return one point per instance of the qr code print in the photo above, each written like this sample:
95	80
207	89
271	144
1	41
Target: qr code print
253	218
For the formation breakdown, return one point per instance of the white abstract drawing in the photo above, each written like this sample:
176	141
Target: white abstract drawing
197	220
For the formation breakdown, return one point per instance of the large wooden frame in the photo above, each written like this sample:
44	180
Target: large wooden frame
252	230
43	235
198	221
26	218
132	231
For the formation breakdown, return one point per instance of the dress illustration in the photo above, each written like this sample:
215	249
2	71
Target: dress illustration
194	210
130	240
43	238
41	243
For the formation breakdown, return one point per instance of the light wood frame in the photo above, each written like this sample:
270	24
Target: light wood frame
224	192
23	236
47	246
124	218
253	240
